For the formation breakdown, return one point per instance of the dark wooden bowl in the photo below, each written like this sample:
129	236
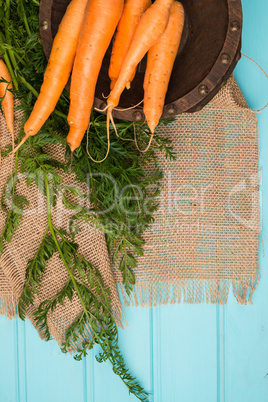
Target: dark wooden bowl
209	51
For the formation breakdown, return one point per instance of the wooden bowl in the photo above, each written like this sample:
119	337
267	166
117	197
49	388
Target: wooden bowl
208	53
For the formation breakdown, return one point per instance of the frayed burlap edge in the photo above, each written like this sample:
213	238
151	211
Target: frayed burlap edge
8	306
191	291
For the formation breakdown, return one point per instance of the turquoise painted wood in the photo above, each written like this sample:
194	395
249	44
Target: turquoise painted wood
180	353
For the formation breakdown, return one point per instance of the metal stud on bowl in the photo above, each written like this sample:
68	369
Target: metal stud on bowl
44	25
137	116
171	109
235	26
225	58
203	90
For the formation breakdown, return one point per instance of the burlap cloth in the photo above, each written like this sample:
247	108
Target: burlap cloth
27	239
206	232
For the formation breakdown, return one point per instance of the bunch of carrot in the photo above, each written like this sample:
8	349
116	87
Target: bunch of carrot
83	37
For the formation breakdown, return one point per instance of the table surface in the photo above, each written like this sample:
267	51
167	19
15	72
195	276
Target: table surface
181	353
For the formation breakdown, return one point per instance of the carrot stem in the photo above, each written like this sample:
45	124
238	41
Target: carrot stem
52	231
25	19
8	37
8	63
11	61
29	86
20	144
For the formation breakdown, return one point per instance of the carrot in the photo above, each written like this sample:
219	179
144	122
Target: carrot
151	26
101	19
8	99
129	20
160	61
58	69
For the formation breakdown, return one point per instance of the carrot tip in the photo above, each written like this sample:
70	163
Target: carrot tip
20	144
72	148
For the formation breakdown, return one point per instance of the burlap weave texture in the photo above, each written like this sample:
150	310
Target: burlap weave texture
206	232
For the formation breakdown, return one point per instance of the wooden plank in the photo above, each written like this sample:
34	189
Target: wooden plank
9	389
185	353
89	381
51	375
135	347
23	381
221	353
247	350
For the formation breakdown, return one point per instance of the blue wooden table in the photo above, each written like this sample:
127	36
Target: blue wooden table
180	353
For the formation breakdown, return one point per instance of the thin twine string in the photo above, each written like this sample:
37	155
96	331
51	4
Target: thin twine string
249	58
258	111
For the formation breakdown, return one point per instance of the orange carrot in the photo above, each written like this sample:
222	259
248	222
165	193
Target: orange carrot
133	10
151	26
59	67
160	61
8	101
101	19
